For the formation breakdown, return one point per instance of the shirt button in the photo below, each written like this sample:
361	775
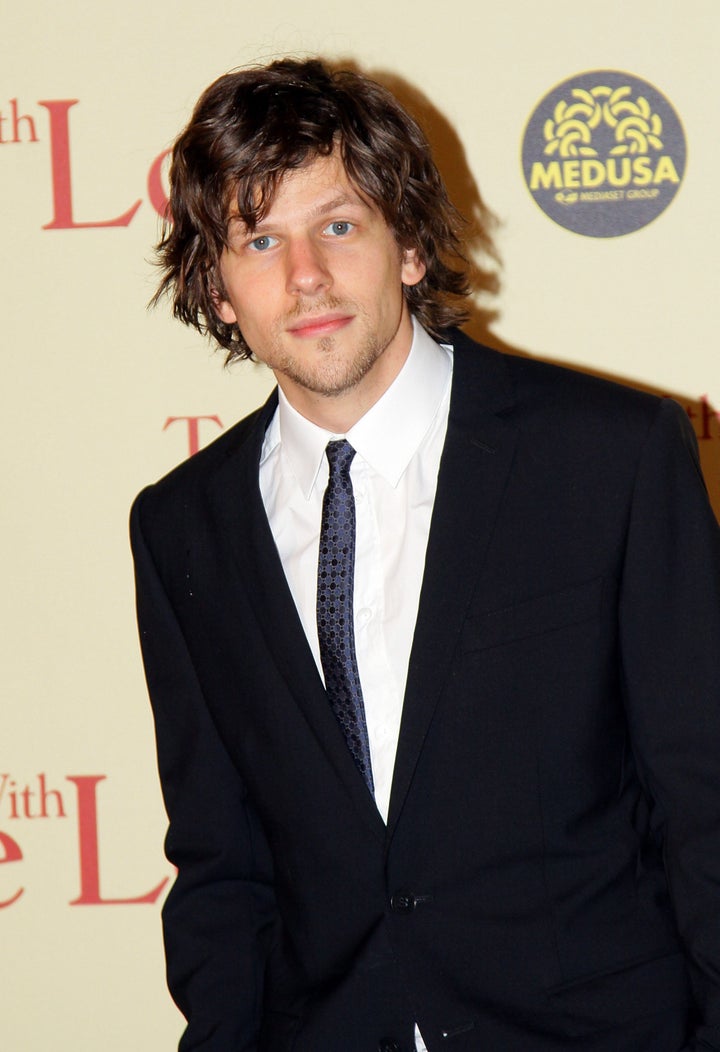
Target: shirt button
363	616
402	902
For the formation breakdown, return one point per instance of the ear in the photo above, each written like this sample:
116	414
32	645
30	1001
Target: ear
412	267
223	308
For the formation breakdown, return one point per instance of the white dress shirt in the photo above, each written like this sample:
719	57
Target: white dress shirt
398	445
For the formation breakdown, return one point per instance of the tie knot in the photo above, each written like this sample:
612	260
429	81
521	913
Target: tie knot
340	454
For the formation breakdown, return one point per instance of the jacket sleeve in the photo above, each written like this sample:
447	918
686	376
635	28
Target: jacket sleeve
219	915
670	646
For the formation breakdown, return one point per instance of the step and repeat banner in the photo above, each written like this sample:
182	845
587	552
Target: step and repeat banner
582	145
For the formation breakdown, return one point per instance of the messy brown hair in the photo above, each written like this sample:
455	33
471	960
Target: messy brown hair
252	126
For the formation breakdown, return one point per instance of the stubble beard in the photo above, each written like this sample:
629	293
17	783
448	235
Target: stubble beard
328	370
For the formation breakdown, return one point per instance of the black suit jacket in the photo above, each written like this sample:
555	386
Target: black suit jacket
549	878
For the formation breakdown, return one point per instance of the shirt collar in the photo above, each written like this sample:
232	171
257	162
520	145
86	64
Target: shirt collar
391	431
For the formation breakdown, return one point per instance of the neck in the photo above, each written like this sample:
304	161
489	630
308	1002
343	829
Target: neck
335	413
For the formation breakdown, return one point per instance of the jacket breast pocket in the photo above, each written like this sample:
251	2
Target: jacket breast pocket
532	617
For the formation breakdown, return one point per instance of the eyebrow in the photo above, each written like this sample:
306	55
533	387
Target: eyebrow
337	202
342	200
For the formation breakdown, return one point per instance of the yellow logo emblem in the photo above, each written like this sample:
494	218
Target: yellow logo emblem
604	153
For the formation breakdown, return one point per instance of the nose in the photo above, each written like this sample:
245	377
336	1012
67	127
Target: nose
307	270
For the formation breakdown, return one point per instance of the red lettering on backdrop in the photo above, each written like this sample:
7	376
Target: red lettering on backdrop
12	854
156	190
16	120
61	178
193	428
707	415
89	853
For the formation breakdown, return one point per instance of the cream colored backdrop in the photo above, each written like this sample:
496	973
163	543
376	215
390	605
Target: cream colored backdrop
91	381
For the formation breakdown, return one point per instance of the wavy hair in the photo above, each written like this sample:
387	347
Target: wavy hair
252	126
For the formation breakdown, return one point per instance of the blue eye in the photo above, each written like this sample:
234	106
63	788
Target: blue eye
262	243
338	228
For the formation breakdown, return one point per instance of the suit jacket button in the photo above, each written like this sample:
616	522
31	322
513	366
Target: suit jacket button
388	1045
403	902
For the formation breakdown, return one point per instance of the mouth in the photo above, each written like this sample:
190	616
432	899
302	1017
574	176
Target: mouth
320	325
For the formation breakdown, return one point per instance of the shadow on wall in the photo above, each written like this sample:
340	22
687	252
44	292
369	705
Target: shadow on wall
464	192
486	265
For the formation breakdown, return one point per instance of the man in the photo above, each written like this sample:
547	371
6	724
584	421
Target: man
432	638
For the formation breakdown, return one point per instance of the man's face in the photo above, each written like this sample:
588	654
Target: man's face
316	290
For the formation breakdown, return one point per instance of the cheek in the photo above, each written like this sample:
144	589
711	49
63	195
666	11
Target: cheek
250	303
392	295
382	280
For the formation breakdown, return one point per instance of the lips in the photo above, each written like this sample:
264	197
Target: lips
320	325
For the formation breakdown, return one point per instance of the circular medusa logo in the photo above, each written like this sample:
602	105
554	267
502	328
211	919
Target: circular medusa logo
604	153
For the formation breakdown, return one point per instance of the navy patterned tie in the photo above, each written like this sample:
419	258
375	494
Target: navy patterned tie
336	633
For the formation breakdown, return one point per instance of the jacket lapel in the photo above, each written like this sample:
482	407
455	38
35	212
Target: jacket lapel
474	468
241	521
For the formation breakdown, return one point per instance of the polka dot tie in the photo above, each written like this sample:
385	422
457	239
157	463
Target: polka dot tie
336	632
